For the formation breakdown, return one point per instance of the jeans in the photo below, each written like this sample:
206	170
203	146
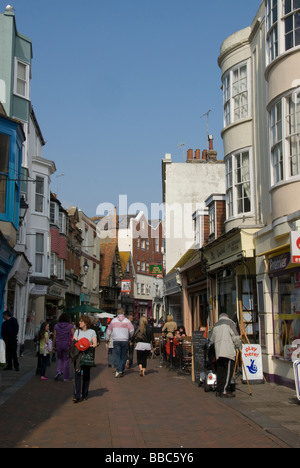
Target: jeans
120	355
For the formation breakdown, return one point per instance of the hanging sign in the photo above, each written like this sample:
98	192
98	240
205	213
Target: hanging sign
295	247
252	358
126	286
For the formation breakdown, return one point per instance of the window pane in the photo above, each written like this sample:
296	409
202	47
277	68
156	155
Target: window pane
40	243
296	4
4	153
3	185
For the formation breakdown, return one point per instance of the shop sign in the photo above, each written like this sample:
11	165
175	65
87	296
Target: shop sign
279	263
126	286
156	270
295	247
252	359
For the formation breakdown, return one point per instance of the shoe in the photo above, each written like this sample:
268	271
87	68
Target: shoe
17	369
57	375
227	395
118	375
76	400
7	368
44	378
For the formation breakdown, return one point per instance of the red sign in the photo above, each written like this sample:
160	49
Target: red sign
295	247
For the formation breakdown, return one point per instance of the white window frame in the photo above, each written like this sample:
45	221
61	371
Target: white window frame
284	137
39	254
233	94
39	196
233	184
61	269
25	81
276	35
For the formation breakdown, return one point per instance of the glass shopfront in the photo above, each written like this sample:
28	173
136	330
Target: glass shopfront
286	306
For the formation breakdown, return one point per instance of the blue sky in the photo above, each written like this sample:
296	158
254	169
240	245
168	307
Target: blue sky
116	84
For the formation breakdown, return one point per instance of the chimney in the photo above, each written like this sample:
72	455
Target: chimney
211	142
204	155
190	155
197	154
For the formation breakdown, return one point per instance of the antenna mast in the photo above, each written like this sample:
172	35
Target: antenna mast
207	117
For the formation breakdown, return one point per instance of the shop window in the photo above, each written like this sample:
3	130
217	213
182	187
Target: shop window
287	315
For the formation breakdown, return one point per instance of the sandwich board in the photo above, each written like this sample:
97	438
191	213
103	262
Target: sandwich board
253	368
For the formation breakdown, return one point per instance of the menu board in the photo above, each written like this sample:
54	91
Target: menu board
199	354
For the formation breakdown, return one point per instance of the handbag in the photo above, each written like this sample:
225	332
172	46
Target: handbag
88	358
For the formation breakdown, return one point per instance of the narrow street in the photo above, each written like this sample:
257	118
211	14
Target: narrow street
161	411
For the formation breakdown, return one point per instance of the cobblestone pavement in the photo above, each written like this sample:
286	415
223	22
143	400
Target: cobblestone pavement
162	410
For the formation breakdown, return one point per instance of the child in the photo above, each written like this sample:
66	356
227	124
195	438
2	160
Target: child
44	349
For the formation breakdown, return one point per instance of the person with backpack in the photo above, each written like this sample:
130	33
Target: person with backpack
144	342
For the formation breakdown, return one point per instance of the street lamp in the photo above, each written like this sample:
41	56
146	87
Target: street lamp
23	209
85	268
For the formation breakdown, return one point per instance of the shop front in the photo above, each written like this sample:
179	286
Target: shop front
284	277
232	279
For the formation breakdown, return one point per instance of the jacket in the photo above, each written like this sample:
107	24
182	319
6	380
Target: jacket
146	337
170	327
120	328
225	337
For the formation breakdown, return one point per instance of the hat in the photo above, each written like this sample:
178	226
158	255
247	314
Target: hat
83	344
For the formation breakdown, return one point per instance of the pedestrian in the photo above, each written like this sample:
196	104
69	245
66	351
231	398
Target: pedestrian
110	353
121	330
44	348
9	333
170	327
63	336
83	376
145	342
226	340
129	362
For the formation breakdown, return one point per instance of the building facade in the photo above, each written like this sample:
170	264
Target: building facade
260	74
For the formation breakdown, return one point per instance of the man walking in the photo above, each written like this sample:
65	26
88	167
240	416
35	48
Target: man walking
9	333
121	330
226	340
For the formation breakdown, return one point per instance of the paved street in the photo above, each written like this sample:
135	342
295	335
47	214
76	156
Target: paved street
162	410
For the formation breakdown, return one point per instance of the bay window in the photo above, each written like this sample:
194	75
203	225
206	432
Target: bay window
283	26
236	94
238	183
285	139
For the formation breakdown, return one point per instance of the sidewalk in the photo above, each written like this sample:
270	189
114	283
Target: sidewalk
162	410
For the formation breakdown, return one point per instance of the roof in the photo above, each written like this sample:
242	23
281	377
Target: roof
108	251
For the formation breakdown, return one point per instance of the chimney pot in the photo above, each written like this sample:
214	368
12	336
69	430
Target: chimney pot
197	154
190	155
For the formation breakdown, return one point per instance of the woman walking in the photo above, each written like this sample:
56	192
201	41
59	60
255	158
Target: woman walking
44	348
145	340
82	378
63	336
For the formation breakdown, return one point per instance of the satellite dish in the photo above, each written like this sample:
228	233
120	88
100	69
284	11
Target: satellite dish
9	8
